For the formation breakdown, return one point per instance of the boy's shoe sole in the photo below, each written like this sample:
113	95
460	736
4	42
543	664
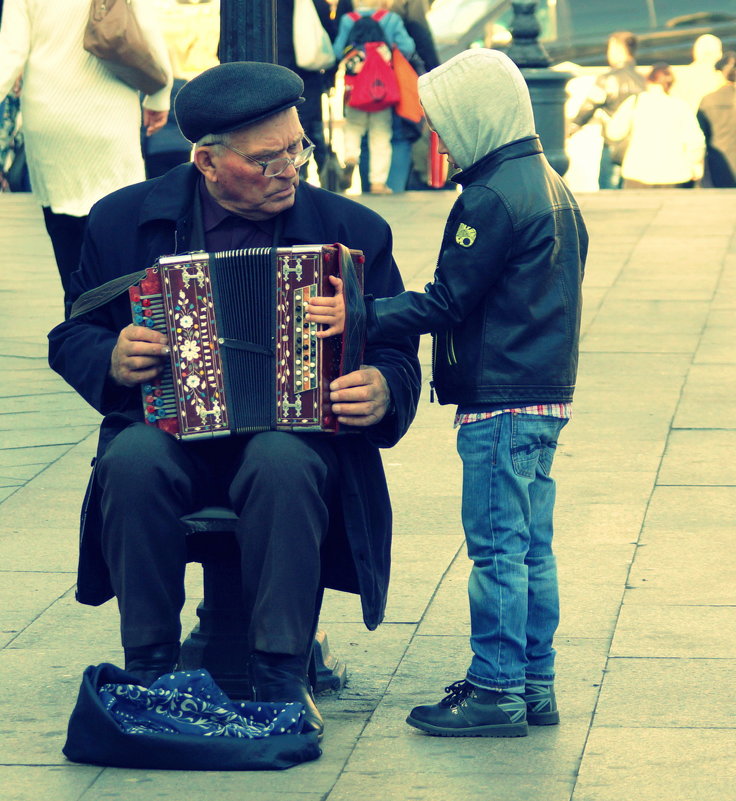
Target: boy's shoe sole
491	730
542	718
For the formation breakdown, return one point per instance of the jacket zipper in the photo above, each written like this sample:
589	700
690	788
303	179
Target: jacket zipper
434	357
450	345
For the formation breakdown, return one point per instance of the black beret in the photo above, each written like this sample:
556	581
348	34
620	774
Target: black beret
233	95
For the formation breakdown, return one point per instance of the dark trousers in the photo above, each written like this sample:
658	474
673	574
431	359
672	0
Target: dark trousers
67	233
281	485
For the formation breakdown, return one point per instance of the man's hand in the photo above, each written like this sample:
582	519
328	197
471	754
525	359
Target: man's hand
329	311
360	398
154	120
138	355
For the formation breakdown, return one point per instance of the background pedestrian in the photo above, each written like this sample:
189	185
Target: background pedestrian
610	90
700	77
666	146
81	124
717	118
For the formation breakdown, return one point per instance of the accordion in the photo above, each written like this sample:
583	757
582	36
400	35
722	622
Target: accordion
242	357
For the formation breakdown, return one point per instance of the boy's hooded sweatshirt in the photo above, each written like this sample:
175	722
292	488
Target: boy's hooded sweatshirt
505	301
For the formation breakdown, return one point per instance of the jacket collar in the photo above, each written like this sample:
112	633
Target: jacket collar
171	198
519	148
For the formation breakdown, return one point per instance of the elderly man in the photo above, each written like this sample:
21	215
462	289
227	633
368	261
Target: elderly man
289	491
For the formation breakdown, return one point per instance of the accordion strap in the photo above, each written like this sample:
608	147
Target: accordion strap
94	298
353	343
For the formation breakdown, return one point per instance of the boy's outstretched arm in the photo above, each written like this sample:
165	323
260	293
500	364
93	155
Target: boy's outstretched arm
329	311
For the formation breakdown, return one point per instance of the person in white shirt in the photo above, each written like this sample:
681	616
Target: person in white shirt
700	77
666	145
81	124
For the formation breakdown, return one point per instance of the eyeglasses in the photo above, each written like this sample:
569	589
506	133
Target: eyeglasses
275	167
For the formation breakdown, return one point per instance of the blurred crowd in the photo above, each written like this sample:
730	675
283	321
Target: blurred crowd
662	126
657	126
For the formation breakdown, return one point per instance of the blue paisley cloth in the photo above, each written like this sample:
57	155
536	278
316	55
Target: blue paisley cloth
189	702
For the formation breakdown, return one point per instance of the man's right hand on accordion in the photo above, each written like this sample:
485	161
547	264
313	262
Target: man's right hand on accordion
138	355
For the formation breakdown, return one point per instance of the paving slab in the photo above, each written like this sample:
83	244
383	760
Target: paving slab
699	457
480	783
644	693
25	600
664	573
62	783
675	630
706	397
689	508
658	763
133	785
48	549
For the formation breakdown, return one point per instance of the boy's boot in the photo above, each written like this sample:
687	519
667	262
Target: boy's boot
470	711
541	705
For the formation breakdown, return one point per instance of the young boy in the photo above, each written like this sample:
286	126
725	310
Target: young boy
504	307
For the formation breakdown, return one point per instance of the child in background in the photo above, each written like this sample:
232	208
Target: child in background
377	124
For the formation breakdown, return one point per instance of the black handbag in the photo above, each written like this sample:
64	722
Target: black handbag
96	737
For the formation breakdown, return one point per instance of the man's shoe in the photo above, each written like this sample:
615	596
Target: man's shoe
283	677
148	662
541	705
469	711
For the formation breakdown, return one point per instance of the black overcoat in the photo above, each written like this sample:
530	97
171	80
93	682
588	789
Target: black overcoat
127	231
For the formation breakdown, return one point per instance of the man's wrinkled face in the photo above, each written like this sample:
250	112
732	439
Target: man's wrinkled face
239	184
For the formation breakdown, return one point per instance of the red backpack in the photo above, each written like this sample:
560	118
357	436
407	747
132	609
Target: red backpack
370	83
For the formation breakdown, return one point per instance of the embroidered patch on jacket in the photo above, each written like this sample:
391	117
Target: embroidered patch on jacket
465	235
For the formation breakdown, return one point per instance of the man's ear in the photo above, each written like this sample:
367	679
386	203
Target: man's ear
203	161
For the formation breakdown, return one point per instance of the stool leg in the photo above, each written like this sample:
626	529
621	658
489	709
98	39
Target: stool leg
219	642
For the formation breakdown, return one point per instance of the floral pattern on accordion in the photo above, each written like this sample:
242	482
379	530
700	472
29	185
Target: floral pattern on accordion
193	347
189	702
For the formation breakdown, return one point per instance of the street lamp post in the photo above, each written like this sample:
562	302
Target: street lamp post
546	86
248	30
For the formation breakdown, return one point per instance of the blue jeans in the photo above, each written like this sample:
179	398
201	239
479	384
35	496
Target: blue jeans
609	174
507	507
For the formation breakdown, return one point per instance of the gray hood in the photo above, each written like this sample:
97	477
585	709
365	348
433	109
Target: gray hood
477	102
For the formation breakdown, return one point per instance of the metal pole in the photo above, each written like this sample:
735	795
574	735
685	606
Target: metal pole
546	86
248	30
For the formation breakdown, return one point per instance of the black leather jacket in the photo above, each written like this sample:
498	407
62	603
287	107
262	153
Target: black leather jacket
609	92
505	301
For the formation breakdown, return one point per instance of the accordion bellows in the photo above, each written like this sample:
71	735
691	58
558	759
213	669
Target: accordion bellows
243	358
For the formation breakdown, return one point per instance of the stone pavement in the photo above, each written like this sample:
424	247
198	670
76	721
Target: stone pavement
647	490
